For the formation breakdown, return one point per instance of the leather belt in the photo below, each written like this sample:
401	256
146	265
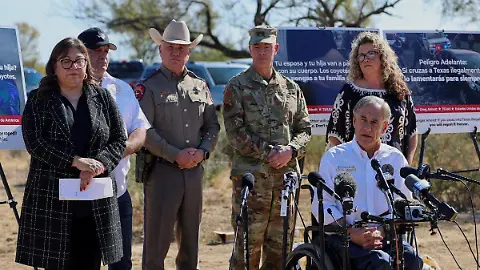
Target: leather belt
166	162
173	165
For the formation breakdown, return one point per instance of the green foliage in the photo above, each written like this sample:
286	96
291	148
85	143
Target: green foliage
344	13
453	152
464	9
220	158
315	149
28	38
132	18
207	54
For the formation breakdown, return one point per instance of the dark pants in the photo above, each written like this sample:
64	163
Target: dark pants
126	212
172	194
85	251
368	259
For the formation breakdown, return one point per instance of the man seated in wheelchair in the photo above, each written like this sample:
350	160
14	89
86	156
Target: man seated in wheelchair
368	248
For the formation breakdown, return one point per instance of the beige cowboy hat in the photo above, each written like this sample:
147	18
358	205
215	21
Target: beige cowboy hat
176	32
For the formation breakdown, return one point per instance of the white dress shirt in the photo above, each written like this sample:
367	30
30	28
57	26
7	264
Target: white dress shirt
133	118
349	157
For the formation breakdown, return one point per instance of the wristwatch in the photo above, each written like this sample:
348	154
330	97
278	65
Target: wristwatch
206	154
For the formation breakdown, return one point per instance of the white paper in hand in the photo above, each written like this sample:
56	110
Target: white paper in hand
99	188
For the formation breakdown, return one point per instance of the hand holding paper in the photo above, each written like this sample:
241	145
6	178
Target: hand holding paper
85	179
98	188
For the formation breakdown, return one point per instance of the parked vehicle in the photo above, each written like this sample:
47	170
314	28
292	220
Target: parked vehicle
148	71
435	42
245	61
216	74
32	78
127	71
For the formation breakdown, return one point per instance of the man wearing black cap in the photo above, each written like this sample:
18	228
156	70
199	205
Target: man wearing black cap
135	124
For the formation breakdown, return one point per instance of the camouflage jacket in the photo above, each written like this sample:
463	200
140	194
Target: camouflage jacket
259	115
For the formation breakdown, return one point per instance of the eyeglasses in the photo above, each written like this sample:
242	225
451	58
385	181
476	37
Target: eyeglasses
369	55
68	64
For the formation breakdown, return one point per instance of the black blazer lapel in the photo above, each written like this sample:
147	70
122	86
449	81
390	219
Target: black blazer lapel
94	107
60	114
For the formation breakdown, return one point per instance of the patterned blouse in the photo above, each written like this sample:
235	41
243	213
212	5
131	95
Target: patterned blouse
401	126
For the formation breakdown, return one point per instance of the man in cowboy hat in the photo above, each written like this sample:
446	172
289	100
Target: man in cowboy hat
135	124
184	132
267	123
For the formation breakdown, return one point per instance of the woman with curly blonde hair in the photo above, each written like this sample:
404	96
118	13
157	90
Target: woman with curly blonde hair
374	71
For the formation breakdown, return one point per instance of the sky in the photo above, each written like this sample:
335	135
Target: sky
54	23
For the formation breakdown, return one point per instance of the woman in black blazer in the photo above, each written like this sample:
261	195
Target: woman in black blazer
72	129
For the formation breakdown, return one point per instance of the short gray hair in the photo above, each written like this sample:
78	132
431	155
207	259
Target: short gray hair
369	100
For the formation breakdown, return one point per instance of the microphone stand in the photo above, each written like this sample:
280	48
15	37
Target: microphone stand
290	182
11	200
384	187
443	174
242	218
321	217
399	262
422	147
246	255
347	206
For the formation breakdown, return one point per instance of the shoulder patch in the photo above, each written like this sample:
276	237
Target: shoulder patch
139	91
227	95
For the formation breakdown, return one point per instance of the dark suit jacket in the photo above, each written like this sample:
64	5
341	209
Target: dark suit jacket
45	223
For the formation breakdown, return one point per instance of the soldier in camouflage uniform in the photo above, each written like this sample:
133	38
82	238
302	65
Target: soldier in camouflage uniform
266	121
184	122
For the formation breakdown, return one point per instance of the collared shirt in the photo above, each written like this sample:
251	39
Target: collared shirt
260	114
349	157
181	111
133	118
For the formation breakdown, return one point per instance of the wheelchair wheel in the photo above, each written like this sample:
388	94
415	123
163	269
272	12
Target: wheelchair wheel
305	257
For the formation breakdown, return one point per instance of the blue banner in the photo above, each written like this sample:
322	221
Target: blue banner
317	59
12	90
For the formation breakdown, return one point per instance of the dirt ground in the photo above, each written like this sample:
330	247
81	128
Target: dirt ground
216	216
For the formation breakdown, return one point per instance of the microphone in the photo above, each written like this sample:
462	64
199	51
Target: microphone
387	172
314	178
367	217
290	183
382	183
345	186
409	209
420	189
247	185
421	172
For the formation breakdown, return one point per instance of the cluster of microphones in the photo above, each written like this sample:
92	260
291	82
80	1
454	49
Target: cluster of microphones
345	189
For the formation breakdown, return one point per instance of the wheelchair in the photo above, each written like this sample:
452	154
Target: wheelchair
307	256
